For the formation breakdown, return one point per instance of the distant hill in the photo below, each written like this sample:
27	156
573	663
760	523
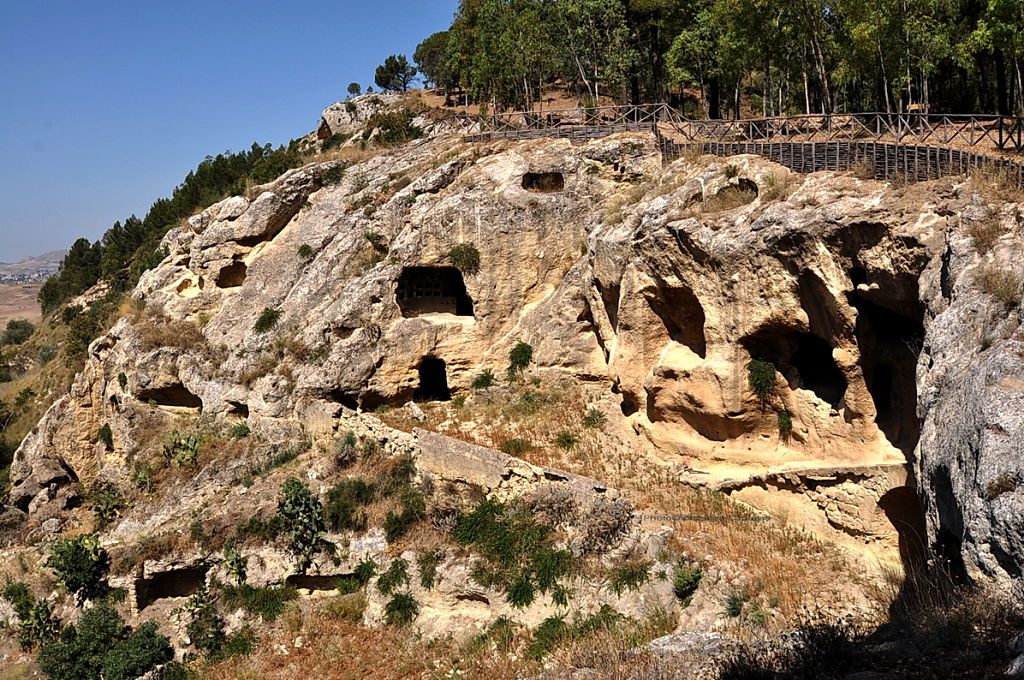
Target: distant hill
32	268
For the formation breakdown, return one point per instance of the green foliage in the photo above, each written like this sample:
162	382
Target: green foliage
734	602
101	645
401	610
519	553
267	320
430	58
106	437
394	127
345	503
466	257
122	381
515	447
345	449
36	622
412	510
484	379
239	430
205	626
333	175
305	251
303	518
731	171
80	565
235	564
427	562
142	477
761	379
519	358
685	580
107	502
182	450
268	603
594	419
785	424
629	575
396	575
547	636
566	441
395	74
357	580
18	332
354	89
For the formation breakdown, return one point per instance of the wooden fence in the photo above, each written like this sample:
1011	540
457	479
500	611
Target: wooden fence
886	161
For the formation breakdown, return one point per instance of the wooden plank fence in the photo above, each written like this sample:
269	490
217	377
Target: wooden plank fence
887	161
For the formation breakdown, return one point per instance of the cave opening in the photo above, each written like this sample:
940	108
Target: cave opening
890	344
175	396
683	316
433	381
238	409
804	359
433	290
175	583
544	182
314	583
233	275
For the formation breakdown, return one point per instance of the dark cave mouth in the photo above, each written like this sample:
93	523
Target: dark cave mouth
804	359
433	385
433	290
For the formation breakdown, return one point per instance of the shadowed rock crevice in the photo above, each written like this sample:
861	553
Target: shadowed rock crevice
177	396
233	275
433	385
433	290
903	510
544	182
683	316
175	583
313	583
804	360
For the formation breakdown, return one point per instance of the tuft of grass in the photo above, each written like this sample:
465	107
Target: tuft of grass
427	562
267	603
515	447
305	251
629	575
775	187
267	320
484	379
396	575
985	234
594	419
1002	284
566	441
685	581
519	359
734	602
466	258
785	424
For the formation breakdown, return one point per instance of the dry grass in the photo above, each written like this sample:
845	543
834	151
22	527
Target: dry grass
863	169
775	187
1002	284
996	184
985	234
727	198
615	207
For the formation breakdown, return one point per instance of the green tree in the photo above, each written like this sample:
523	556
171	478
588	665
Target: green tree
18	332
431	60
354	89
395	74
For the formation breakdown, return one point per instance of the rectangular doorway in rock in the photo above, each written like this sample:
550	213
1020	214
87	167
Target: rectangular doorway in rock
170	584
175	396
433	381
433	290
544	182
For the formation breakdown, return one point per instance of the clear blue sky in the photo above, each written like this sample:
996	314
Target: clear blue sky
105	106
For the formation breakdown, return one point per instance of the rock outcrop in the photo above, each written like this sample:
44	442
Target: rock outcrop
334	289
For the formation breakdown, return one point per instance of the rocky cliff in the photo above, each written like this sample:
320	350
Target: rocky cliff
891	421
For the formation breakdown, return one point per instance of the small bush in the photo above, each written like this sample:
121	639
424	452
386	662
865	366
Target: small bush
142	477
182	450
985	234
333	175
1002	284
774	187
427	562
594	419
685	580
36	622
761	379
235	564
734	602
303	519
413	509
394	128
519	358
515	447
106	501
401	610
466	258
357	580
106	437
732	171
547	636
520	593
267	603
345	503
205	625
629	576
305	251
267	320
345	450
136	655
80	565
553	505
396	575
785	424
484	380
566	441
605	522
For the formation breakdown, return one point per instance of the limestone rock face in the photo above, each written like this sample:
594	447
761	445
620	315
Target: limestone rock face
334	289
349	116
